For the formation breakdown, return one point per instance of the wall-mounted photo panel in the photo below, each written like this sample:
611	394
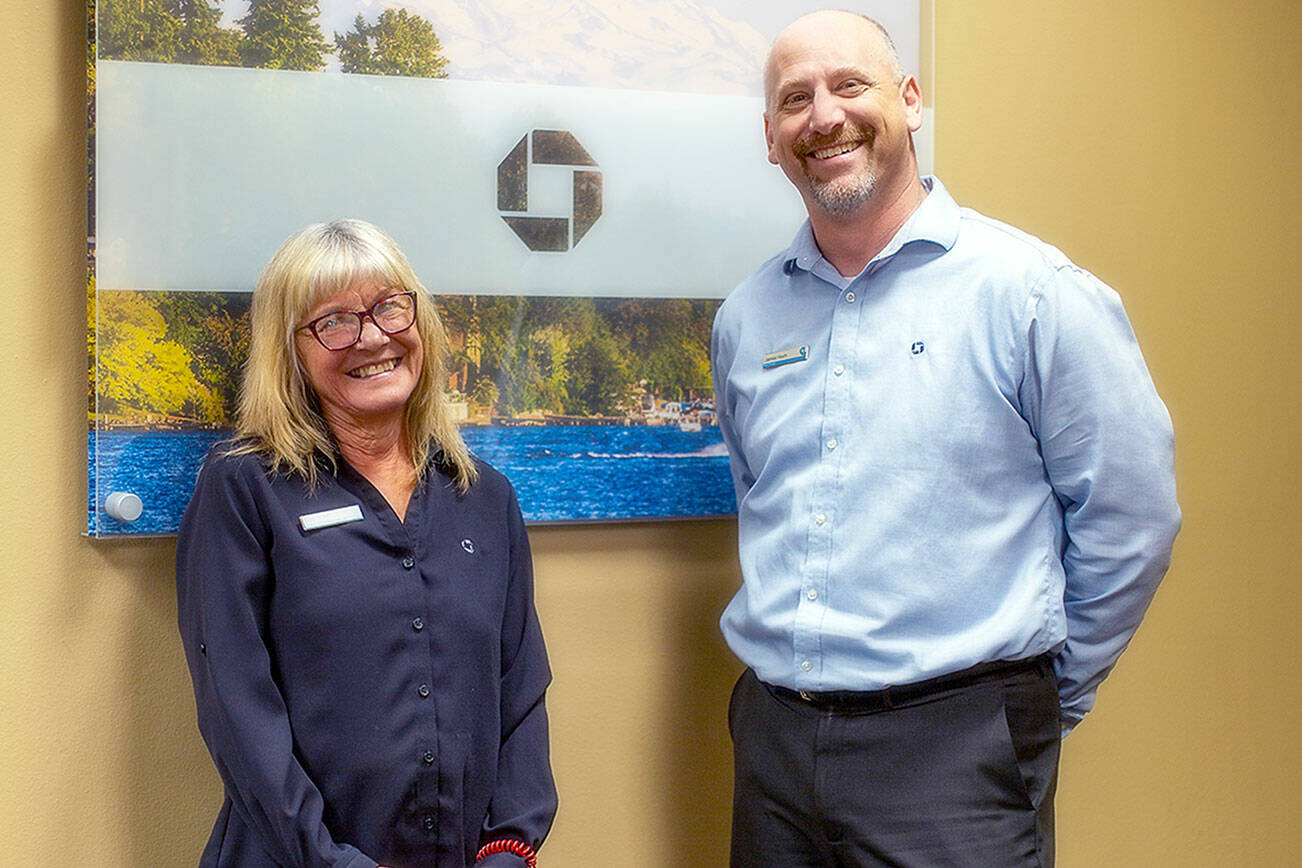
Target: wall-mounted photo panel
578	183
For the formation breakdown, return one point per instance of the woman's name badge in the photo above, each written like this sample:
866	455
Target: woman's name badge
786	357
330	518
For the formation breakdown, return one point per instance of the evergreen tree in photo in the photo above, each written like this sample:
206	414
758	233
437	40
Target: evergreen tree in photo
399	43
165	31
283	34
141	30
203	40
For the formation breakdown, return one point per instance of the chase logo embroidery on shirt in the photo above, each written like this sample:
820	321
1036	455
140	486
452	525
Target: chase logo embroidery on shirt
785	357
918	348
330	517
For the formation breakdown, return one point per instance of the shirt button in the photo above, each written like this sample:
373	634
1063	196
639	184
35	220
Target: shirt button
849	297
831	444
427	757
820	518
418	624
812	594
408	562
806	665
428	823
839	370
423	690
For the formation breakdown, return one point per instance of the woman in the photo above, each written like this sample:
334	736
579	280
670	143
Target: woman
355	590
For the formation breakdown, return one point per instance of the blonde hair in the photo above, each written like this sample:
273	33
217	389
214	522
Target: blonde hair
278	414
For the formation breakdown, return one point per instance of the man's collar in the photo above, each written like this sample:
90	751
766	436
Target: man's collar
935	221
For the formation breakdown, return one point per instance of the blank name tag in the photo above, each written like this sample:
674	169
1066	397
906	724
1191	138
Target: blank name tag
331	517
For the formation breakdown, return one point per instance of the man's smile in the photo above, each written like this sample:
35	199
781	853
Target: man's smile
849	139
831	151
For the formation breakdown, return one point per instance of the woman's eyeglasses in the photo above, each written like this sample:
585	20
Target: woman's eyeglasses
340	329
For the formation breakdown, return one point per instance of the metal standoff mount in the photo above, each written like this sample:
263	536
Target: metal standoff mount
123	505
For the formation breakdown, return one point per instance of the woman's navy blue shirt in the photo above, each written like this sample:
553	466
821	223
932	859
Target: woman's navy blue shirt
371	690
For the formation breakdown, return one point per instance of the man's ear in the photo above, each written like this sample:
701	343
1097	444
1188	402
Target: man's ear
768	140
911	94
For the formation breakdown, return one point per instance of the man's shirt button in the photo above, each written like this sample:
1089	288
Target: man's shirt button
849	297
820	518
839	370
423	690
831	444
806	665
812	594
418	623
408	562
427	757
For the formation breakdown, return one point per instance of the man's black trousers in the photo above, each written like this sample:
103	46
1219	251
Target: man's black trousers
956	771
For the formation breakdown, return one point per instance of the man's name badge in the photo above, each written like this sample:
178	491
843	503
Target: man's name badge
786	357
330	518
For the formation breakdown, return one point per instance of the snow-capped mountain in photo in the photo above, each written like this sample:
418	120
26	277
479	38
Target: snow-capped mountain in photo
671	45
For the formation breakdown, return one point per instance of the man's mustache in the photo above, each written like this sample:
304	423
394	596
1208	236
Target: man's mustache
845	136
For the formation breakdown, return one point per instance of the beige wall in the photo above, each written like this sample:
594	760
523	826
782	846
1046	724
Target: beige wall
1155	144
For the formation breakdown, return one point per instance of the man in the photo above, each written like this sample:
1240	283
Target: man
955	491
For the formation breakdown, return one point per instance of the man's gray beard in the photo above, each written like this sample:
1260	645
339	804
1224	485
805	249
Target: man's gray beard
843	197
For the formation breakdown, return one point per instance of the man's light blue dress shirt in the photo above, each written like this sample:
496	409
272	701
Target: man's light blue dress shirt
955	457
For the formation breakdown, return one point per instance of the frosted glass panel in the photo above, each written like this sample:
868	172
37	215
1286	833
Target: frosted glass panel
579	191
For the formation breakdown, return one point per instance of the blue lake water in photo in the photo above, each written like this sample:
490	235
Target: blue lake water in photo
560	473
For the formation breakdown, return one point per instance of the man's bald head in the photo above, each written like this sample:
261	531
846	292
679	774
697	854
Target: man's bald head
827	24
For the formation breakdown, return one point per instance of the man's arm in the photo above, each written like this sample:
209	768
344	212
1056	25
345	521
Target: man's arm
721	356
1107	445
